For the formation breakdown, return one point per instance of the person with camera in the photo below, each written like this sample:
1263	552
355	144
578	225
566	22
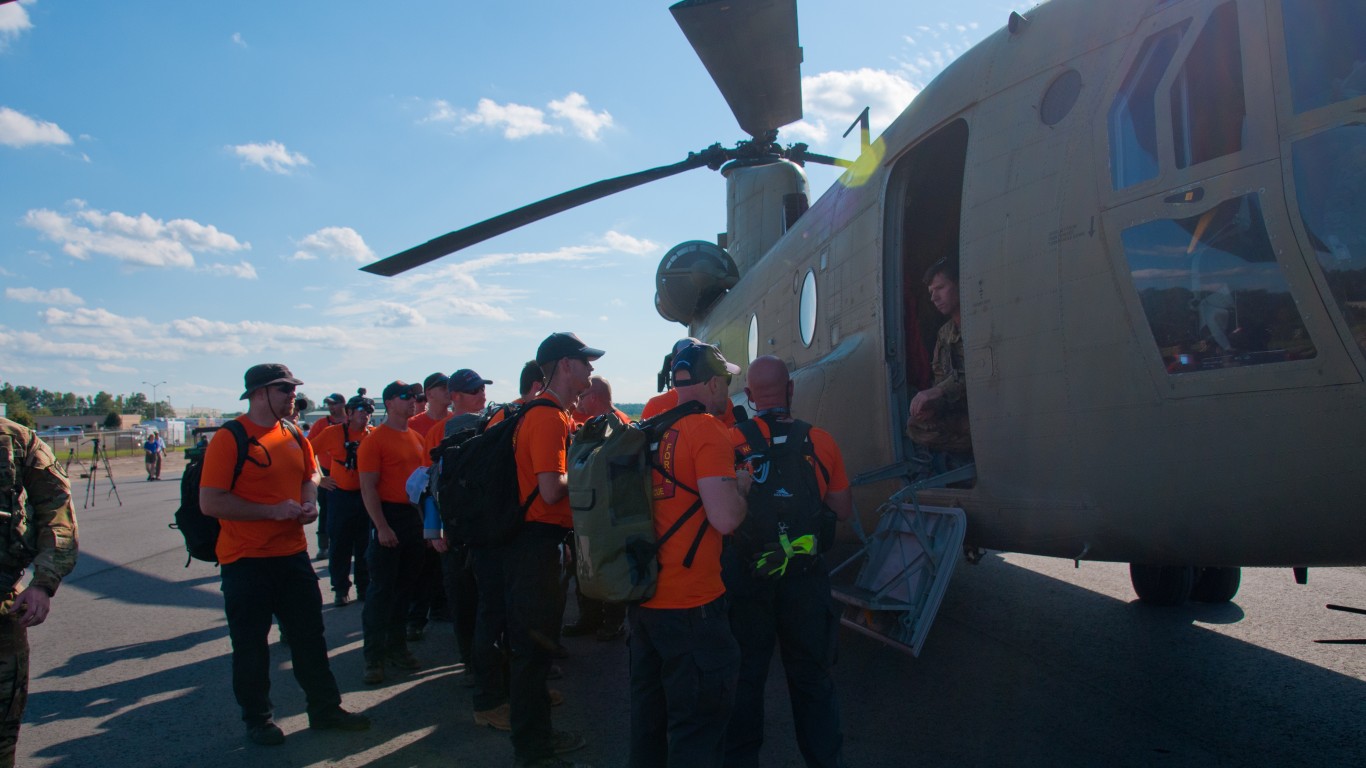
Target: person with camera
348	526
263	554
334	403
35	509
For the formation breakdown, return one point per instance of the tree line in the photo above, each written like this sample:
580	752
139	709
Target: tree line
24	403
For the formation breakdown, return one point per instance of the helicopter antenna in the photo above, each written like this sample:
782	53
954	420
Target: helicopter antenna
864	134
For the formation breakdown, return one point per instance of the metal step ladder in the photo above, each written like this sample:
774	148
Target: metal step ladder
907	562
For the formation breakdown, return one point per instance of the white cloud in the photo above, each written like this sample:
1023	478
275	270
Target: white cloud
20	130
271	156
336	243
574	109
831	101
137	239
392	315
516	121
519	121
242	269
14	21
627	244
112	368
237	39
34	296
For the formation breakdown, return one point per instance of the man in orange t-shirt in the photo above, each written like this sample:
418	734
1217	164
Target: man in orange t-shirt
264	556
519	582
793	611
385	460
437	405
336	414
684	660
348	526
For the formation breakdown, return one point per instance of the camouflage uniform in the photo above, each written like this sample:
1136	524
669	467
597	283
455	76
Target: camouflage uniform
38	529
947	430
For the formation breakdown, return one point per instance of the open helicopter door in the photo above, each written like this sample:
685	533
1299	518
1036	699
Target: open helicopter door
907	562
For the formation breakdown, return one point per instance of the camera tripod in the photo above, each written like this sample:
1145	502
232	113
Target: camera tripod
98	457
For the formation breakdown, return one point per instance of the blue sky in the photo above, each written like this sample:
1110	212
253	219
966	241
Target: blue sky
187	189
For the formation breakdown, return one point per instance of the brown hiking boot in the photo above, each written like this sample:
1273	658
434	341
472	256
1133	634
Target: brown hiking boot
500	717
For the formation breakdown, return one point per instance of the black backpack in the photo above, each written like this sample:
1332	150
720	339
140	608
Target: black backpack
787	525
199	530
476	485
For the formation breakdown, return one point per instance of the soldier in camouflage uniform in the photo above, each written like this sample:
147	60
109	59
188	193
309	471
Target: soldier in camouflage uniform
38	529
939	415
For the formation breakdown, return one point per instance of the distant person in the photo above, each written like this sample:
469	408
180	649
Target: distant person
605	621
519	582
263	556
385	460
668	399
41	533
684	659
788	604
938	419
154	451
348	525
335	404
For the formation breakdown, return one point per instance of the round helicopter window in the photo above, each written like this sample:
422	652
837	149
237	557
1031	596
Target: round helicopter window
753	337
807	308
1060	97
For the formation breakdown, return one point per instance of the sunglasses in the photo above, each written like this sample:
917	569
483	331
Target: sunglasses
405	396
285	388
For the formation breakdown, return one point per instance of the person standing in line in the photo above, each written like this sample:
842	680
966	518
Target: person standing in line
263	554
684	660
336	414
787	603
39	531
385	460
349	526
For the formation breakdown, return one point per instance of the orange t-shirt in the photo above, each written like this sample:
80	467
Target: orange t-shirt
695	447
276	469
332	442
422	423
667	401
827	453
394	455
541	443
432	439
315	429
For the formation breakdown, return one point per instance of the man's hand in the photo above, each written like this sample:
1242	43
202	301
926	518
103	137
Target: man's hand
328	482
926	402
308	512
386	536
32	606
439	545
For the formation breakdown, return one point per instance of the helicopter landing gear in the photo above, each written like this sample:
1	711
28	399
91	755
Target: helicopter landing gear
1175	584
1216	585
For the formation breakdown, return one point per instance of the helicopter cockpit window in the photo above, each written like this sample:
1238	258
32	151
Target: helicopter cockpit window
1330	181
1214	294
1133	115
1208	109
1325	43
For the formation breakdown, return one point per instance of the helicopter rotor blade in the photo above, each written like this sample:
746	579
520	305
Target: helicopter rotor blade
506	222
750	49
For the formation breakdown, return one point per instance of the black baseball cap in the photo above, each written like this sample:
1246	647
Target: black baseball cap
564	344
437	379
400	388
264	375
700	363
336	398
361	402
466	382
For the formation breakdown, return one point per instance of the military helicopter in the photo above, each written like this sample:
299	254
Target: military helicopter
1158	210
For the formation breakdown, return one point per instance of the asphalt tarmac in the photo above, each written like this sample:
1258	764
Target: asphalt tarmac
1032	662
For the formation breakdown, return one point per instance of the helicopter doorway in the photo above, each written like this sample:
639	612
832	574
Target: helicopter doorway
924	214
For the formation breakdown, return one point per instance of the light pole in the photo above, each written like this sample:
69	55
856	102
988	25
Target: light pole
154	397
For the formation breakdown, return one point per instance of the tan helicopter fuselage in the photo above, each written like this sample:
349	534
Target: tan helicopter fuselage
1093	437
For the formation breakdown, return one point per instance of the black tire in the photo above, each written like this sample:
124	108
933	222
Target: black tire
1216	585
1162	584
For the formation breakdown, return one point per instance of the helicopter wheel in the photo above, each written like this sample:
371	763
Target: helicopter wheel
1162	584
1216	585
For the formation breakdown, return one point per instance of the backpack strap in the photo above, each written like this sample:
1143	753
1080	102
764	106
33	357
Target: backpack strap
654	426
244	443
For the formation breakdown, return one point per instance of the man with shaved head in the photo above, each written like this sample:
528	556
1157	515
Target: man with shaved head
775	574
